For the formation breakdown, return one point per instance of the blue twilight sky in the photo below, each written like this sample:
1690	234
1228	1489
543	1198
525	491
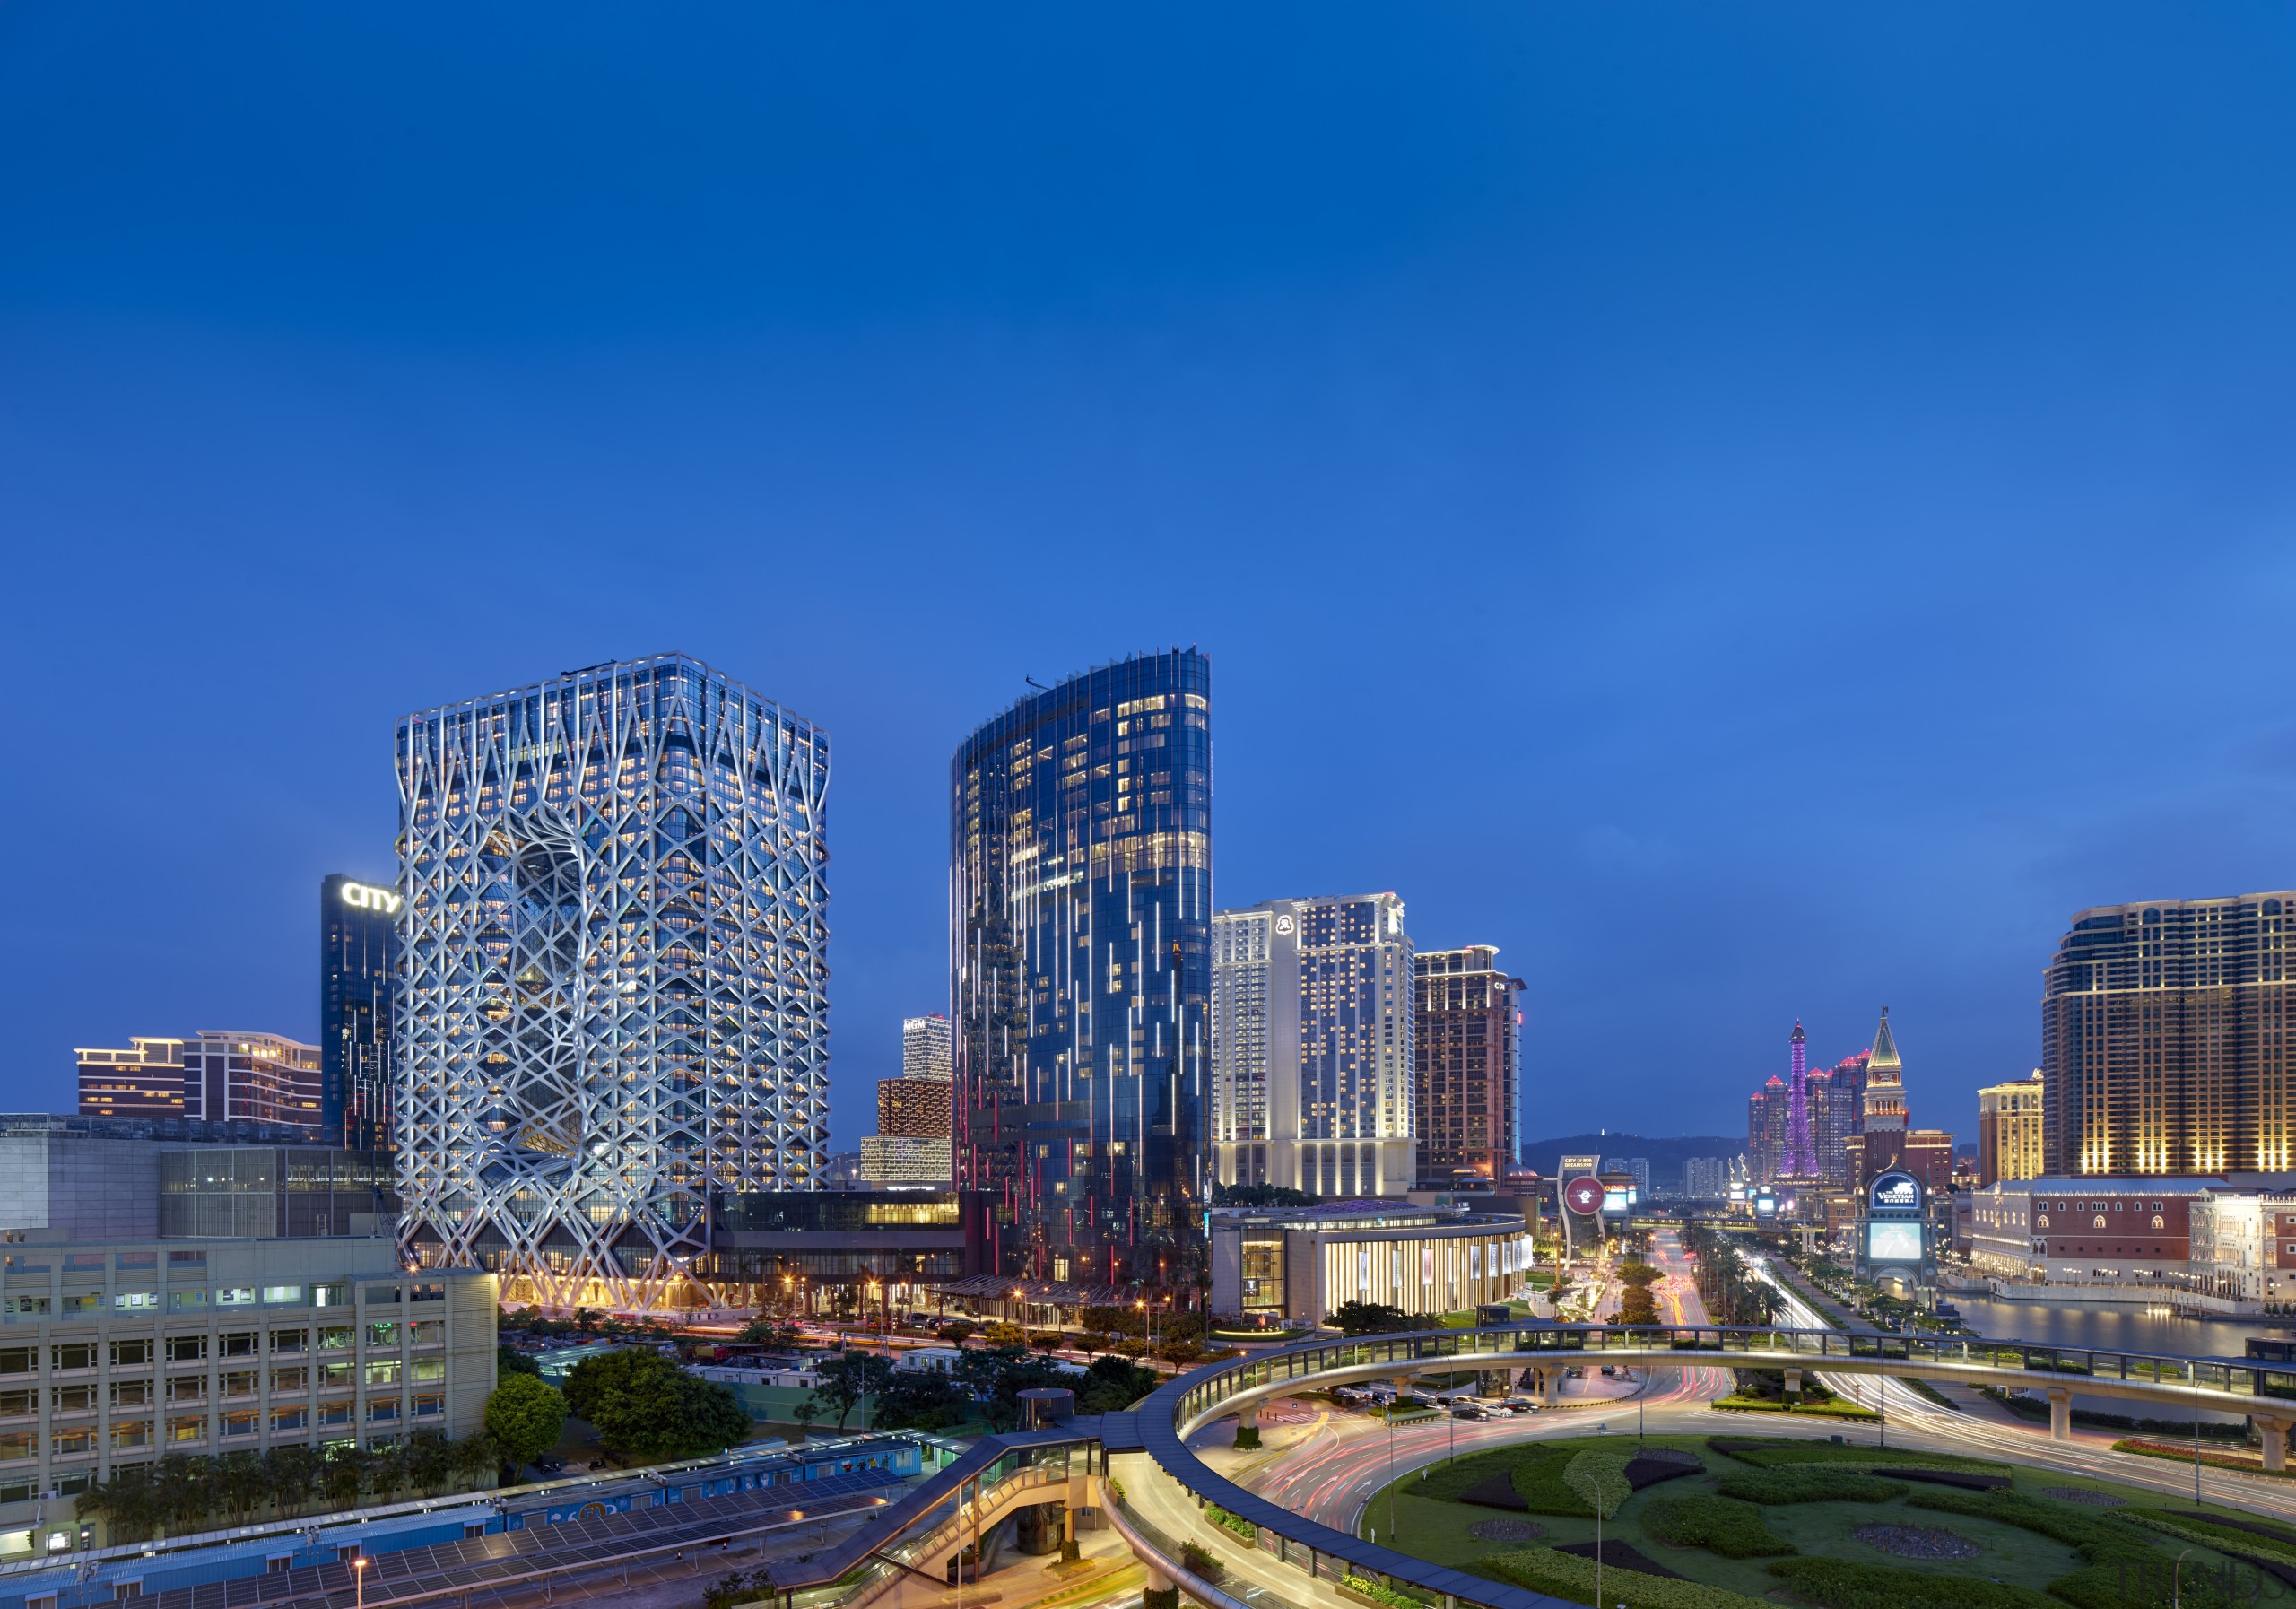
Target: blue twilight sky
1756	510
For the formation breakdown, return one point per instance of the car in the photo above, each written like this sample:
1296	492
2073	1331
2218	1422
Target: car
549	1465
1521	1405
1347	1395
1470	1410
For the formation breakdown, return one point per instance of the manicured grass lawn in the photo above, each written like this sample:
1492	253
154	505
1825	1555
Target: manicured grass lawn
1434	1527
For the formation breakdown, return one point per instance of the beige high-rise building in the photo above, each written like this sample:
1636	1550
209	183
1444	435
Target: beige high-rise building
2009	1131
2164	1032
1312	1060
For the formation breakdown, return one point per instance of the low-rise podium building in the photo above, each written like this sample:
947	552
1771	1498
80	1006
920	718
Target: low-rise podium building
1301	1264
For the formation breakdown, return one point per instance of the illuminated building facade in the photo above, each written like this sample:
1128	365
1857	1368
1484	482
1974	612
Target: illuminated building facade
1312	1040
1766	1130
612	1000
925	1050
2009	1131
1837	1108
1465	1041
1799	1156
2163	1040
358	964
143	1081
1080	970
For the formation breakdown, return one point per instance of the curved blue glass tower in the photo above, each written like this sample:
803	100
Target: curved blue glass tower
1080	950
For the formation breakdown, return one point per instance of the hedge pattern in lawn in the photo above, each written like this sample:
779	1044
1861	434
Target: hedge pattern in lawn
1840	1584
1568	1576
1622	1555
1809	1483
1539	1483
1967	1480
1648	1471
2123	1569
1720	1524
1770	1451
1598	1479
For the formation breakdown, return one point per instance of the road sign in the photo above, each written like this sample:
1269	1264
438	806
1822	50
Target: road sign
1583	1196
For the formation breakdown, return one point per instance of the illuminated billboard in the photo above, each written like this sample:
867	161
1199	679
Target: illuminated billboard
1888	1241
1614	1200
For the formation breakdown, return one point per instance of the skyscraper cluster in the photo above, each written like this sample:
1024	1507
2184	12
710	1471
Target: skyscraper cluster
1122	1046
1843	1126
589	1014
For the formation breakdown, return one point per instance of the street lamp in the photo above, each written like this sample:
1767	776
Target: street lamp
359	1581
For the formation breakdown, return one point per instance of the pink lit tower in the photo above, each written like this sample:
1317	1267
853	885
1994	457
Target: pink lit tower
1800	1160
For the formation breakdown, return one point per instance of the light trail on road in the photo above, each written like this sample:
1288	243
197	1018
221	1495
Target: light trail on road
1332	1474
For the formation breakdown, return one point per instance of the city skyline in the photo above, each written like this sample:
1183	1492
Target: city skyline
1725	472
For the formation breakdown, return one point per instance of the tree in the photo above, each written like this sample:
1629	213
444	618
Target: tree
646	1408
957	1331
430	1463
915	1399
998	1375
1112	1385
1261	1196
1004	1333
290	1473
180	1493
1370	1318
846	1380
739	1587
525	1415
126	1503
774	1334
385	1472
1182	1351
1047	1342
510	1360
1093	1343
586	1320
344	1475
474	1455
239	1483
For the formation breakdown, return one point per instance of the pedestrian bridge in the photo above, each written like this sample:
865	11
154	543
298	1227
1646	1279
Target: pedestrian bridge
1136	1469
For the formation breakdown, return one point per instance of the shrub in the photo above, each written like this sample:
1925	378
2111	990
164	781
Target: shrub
1720	1524
2098	1538
1809	1483
1161	1597
2208	1532
1770	1451
1198	1560
1380	1592
1599	1480
1572	1578
1840	1584
1230	1522
1247	1436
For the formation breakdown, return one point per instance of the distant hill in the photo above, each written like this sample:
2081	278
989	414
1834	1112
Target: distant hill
1666	1155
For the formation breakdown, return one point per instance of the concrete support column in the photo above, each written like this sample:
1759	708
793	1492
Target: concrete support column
1550	1387
1794	1385
2275	1433
1158	1581
2060	1413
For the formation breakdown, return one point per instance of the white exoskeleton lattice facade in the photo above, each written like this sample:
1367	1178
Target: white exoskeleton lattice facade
613	995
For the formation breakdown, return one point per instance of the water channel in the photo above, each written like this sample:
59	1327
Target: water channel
2114	1329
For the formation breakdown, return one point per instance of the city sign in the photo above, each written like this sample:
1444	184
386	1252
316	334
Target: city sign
1284	924
360	896
1584	1195
1896	1193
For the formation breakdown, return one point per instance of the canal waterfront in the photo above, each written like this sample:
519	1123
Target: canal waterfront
2114	1329
2110	1329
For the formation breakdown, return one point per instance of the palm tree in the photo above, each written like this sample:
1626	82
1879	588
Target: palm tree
181	1492
291	1474
476	1457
